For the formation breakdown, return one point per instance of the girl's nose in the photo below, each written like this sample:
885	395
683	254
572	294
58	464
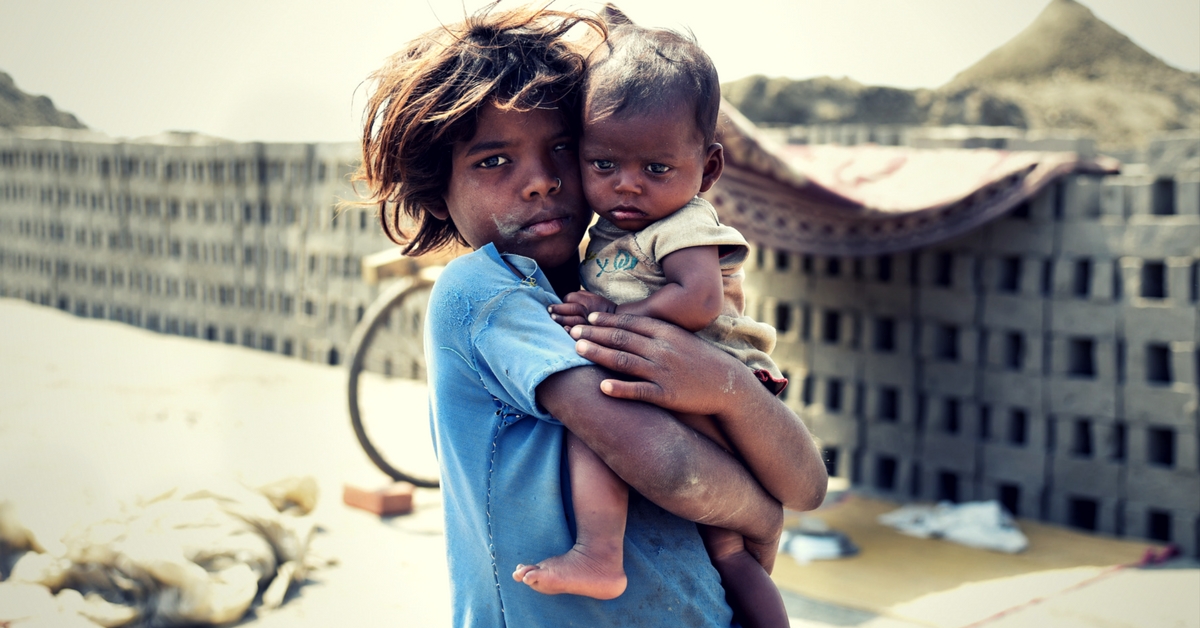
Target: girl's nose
542	183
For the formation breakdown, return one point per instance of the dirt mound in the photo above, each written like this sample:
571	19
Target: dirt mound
1065	41
20	109
1068	70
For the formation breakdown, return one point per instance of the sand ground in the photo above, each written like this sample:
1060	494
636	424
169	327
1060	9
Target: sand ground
95	415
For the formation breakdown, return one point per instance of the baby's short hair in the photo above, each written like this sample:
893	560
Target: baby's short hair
641	70
427	96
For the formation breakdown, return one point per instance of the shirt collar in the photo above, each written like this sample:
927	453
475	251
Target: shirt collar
527	269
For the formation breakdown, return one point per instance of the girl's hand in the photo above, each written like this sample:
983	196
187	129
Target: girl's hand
576	307
678	371
673	368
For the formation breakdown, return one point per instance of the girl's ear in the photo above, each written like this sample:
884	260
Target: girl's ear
714	164
440	211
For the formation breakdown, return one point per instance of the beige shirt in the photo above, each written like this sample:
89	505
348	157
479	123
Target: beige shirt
625	266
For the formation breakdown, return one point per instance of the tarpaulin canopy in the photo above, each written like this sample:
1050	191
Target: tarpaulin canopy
871	200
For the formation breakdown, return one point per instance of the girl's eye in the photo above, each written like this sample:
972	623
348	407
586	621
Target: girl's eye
494	161
603	164
658	168
563	146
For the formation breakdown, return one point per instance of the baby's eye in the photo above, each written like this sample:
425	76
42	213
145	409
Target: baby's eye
603	164
494	161
564	146
658	168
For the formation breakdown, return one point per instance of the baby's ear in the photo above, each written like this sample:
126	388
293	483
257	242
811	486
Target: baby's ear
613	16
714	165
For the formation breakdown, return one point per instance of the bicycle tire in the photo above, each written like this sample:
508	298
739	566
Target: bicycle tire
360	341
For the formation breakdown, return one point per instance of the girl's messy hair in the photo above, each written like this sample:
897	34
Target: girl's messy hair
426	98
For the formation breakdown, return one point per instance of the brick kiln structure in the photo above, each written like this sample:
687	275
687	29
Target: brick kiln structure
1034	342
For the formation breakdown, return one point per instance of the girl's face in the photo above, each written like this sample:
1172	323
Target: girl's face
516	184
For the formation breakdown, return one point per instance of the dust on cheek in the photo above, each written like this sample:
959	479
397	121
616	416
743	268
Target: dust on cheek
506	227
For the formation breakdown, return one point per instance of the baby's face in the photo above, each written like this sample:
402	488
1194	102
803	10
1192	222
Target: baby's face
642	168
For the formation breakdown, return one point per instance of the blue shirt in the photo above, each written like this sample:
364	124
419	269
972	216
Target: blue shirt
489	343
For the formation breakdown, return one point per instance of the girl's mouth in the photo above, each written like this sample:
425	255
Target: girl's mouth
547	228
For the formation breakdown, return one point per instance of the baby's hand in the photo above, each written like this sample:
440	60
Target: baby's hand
576	307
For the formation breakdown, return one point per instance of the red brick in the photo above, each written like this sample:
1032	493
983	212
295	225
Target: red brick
395	499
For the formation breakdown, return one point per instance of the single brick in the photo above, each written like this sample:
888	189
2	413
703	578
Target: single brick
395	499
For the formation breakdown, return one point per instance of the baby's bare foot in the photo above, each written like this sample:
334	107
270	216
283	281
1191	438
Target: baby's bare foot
577	573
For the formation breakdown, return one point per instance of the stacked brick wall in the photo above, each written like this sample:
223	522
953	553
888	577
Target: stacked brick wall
1047	360
238	243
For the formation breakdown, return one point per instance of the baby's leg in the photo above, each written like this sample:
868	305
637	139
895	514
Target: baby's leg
595	566
707	426
749	590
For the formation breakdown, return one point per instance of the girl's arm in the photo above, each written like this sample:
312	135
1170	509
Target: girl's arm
680	372
664	460
692	297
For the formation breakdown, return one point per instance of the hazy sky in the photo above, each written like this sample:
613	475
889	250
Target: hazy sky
274	70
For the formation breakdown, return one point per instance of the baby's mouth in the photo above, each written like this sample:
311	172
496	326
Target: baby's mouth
626	213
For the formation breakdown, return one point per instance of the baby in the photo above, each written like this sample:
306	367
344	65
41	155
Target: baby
651	99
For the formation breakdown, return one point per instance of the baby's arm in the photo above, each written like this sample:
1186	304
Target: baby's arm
692	297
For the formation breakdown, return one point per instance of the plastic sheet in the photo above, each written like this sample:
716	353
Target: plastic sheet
984	525
813	540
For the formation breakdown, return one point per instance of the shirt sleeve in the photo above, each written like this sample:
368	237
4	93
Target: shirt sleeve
517	346
694	224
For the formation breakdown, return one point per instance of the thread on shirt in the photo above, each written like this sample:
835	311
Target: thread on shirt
506	417
499	425
460	356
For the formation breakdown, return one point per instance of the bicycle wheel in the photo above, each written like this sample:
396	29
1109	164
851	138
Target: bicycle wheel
360	342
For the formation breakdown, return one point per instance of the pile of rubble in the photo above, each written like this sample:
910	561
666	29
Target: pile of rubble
191	556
